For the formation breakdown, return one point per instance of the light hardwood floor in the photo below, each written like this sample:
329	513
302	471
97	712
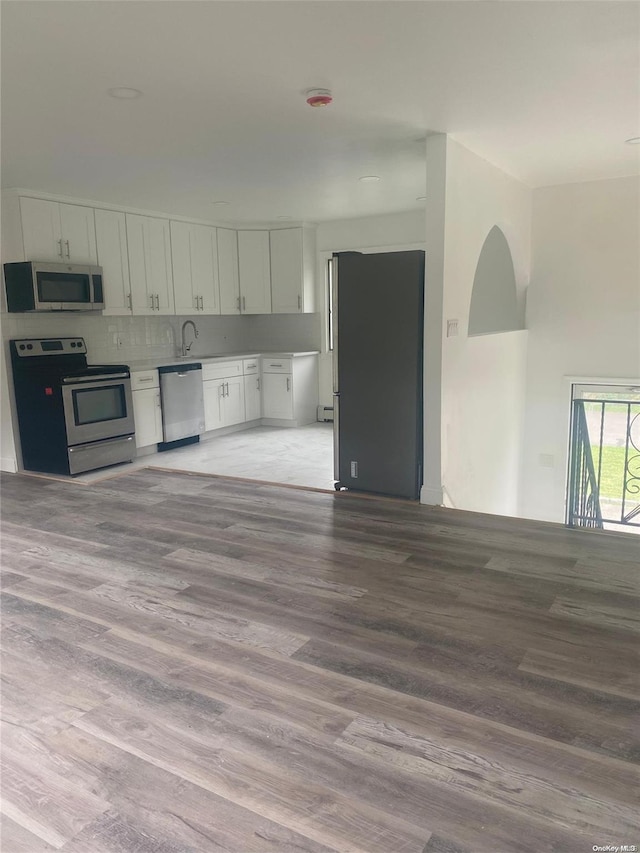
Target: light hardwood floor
199	664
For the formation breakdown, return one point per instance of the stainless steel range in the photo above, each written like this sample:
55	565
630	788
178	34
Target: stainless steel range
73	417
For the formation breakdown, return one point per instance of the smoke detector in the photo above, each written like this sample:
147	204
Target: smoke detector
318	97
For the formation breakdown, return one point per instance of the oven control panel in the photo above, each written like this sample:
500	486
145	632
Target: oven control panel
50	346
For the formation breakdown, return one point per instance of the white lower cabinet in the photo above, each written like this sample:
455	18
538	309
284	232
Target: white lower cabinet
252	398
147	407
223	388
252	388
213	392
277	390
289	390
234	401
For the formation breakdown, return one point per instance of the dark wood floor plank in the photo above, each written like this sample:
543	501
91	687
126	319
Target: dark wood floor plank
246	780
229	685
606	574
534	794
45	803
623	615
166	806
194	663
618	676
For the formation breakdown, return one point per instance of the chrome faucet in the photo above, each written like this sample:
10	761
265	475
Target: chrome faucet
186	347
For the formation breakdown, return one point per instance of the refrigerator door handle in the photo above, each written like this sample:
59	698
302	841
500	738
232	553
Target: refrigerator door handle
334	321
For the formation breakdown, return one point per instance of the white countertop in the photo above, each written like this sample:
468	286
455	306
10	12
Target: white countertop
154	363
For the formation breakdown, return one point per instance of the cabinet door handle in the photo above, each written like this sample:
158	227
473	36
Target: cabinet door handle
60	247
152	303
299	302
202	303
288	384
238	303
258	383
195	302
129	302
227	389
157	302
66	242
146	379
244	304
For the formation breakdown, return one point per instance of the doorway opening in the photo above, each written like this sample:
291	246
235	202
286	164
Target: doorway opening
604	459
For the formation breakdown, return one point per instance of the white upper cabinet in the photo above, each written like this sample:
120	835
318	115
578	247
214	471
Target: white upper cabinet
149	245
291	271
255	272
153	265
194	252
228	271
111	243
52	231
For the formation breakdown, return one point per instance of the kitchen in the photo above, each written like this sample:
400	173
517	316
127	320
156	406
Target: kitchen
210	264
248	382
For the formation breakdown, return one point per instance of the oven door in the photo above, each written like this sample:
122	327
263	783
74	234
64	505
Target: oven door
97	407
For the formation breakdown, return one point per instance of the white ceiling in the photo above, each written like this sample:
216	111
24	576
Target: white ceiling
548	91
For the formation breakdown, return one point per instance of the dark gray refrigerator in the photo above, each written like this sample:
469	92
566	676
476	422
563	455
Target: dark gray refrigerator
377	322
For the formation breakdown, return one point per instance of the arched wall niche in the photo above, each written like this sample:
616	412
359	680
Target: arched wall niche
494	299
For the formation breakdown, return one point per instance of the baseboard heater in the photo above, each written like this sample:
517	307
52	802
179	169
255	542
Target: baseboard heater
325	413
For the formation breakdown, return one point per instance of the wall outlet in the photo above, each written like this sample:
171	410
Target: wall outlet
119	342
452	328
354	470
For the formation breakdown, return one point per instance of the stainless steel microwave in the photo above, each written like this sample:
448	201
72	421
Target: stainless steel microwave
41	286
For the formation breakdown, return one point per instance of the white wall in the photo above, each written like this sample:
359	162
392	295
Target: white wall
482	378
393	229
583	316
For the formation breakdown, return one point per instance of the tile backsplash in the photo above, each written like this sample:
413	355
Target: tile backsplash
125	339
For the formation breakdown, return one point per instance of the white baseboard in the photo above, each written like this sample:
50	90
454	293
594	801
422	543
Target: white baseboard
431	495
8	463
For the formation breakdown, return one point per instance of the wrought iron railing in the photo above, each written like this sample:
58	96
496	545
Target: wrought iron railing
604	484
584	492
631	494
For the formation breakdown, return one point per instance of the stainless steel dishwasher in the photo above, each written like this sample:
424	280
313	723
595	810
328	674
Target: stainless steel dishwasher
182	405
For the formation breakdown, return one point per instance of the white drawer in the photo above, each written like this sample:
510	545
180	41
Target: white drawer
276	365
250	365
221	370
144	379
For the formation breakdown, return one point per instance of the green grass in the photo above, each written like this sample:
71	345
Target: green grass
612	471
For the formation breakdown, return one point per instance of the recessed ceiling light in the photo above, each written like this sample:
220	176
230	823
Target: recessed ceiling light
369	179
635	140
421	198
124	93
221	203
